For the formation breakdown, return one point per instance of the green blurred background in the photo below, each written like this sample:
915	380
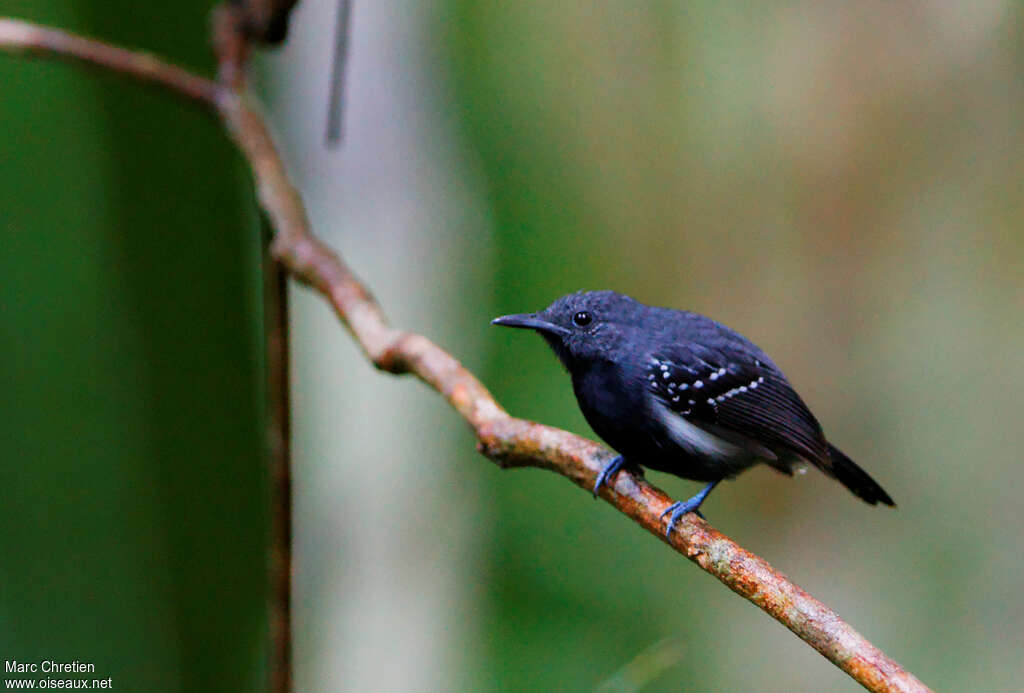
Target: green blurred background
843	183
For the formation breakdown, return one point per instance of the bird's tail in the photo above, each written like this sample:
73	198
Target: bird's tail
856	479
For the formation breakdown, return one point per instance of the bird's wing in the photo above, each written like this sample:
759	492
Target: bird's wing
745	396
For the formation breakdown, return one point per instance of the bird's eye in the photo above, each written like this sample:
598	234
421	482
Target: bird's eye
581	319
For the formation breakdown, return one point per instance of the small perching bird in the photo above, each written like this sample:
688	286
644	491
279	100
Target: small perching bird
677	392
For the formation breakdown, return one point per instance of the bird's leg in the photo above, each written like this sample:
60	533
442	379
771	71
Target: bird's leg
609	470
680	508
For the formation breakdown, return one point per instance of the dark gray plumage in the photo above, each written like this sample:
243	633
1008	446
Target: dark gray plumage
678	392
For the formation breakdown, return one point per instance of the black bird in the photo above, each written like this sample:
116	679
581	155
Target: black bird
678	392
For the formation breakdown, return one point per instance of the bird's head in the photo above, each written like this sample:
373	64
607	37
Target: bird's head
583	327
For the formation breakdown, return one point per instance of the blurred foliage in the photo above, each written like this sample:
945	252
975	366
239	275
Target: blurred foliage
131	398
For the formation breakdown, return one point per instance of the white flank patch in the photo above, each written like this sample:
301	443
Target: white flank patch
694	439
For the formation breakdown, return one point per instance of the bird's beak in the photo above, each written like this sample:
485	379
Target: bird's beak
529	321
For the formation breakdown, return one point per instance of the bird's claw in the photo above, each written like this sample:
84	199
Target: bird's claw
677	510
609	470
680	508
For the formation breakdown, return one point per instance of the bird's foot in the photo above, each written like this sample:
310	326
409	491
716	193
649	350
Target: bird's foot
680	508
609	470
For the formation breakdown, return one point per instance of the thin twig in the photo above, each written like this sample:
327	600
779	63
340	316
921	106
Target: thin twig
275	302
336	104
509	441
235	25
23	37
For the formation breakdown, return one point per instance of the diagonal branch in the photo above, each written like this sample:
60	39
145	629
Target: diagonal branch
509	441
